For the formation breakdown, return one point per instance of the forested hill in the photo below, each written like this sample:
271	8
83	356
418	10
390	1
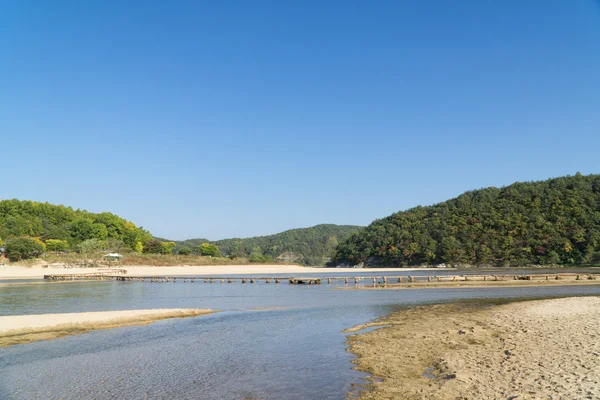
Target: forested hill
44	222
556	221
310	246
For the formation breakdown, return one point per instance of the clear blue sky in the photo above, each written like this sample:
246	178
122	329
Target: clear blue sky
237	118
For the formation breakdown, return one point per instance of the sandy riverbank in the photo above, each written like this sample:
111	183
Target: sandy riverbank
39	272
474	285
18	329
546	349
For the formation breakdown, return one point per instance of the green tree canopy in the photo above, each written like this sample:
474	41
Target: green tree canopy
85	228
185	251
167	247
52	222
548	222
91	246
256	255
55	245
153	246
208	249
311	246
19	248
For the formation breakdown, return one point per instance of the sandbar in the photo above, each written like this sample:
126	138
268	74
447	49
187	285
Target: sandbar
541	349
19	329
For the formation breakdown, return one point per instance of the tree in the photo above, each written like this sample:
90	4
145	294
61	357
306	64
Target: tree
237	249
114	245
256	255
209	249
84	229
167	247
331	244
20	248
184	251
548	222
91	246
57	246
138	248
314	244
153	246
47	221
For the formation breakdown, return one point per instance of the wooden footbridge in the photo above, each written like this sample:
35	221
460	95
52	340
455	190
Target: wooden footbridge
121	275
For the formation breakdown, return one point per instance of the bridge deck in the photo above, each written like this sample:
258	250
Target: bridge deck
121	275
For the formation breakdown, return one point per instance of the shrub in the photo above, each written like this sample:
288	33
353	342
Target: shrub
210	250
167	247
185	251
595	257
139	247
56	245
256	255
91	246
84	229
21	248
153	246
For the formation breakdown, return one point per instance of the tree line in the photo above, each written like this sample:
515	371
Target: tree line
28	229
556	221
309	246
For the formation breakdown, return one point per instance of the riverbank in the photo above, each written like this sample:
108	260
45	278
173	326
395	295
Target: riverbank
565	281
532	349
38	272
19	329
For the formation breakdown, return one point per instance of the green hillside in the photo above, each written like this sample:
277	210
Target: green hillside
556	221
310	246
45	222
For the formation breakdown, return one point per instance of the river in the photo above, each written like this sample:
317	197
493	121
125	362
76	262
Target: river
269	341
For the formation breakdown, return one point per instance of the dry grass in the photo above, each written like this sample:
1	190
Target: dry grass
28	335
159	260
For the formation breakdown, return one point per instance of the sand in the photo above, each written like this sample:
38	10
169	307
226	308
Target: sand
18	329
39	272
548	349
474	285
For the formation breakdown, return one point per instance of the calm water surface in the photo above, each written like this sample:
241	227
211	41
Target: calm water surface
245	351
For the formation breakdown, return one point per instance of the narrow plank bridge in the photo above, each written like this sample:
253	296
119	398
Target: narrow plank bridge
121	275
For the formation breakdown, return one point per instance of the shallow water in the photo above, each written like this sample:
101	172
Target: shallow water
295	352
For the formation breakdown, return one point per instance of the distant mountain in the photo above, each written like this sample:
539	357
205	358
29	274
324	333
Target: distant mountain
188	243
310	246
556	221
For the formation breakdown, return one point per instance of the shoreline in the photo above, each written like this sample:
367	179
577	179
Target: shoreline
523	349
473	285
21	329
18	272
